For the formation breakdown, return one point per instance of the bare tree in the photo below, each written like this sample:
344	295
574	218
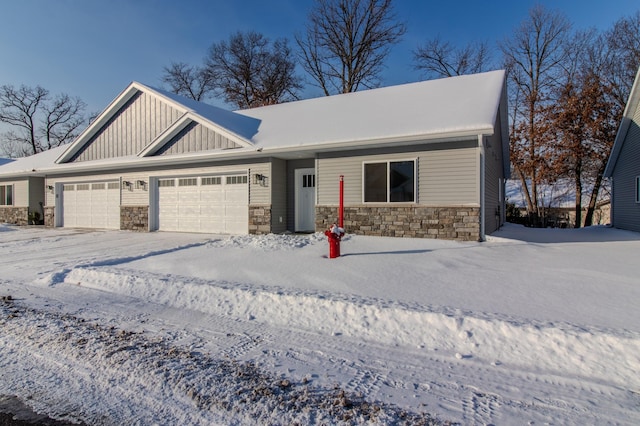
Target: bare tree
438	58
533	56
250	71
38	121
190	81
623	43
346	43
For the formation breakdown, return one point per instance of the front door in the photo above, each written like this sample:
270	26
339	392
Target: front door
305	195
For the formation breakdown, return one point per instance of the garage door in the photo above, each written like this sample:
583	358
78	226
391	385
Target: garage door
91	205
213	204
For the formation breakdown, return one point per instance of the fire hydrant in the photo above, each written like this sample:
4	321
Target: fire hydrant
334	235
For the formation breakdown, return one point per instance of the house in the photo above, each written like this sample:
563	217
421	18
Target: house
624	165
425	159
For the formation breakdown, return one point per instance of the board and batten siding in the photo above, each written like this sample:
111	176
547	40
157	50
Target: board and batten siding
626	212
196	138
447	174
131	129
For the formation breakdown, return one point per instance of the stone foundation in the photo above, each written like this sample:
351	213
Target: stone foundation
134	218
14	215
450	223
259	220
49	216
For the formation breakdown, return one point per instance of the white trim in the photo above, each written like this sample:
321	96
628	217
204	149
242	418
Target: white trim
388	163
298	173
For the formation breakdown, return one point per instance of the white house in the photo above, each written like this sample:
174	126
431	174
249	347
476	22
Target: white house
425	159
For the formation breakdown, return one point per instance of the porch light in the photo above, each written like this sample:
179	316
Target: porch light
140	184
260	179
126	184
50	187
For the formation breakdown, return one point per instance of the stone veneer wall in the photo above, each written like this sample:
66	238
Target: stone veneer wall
15	215
259	220
49	216
134	218
451	223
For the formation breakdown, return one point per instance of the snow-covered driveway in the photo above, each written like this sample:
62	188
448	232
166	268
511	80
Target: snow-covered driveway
167	328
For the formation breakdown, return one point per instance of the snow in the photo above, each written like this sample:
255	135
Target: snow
430	109
533	326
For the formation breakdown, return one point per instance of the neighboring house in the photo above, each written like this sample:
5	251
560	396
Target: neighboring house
21	194
624	166
425	159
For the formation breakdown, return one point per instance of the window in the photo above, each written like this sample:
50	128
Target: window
6	195
637	189
235	180
211	180
188	182
308	181
164	183
389	182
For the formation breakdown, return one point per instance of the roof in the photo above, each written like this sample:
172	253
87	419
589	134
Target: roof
449	106
627	118
454	107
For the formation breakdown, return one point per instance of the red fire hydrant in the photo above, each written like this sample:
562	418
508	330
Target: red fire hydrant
334	235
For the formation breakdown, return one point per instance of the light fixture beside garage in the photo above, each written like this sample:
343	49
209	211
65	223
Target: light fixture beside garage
260	179
140	184
126	185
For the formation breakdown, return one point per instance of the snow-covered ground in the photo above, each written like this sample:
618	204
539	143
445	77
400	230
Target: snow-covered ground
534	326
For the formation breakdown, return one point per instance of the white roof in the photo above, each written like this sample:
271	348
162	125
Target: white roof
32	163
454	107
436	108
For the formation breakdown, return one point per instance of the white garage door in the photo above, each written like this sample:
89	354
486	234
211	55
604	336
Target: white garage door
91	205
212	204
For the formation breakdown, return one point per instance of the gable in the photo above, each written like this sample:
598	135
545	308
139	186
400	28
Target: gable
136	124
196	138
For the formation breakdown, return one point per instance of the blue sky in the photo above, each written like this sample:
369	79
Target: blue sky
94	48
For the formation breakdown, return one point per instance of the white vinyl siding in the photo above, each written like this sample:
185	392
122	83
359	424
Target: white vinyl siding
447	174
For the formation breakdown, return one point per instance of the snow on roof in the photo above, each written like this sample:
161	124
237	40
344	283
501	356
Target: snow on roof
241	125
32	163
432	108
448	107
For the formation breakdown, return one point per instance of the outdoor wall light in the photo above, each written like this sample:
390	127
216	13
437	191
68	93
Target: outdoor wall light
140	184
126	184
50	187
260	179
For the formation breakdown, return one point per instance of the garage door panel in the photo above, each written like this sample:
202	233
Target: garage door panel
210	205
91	205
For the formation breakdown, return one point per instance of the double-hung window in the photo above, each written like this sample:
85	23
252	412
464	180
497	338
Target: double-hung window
637	189
6	195
389	182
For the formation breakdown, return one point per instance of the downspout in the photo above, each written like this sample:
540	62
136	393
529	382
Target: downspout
482	178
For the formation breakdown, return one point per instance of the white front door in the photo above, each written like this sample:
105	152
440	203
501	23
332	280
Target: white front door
305	194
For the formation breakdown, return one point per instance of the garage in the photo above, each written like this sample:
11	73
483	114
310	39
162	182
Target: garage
91	205
211	204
